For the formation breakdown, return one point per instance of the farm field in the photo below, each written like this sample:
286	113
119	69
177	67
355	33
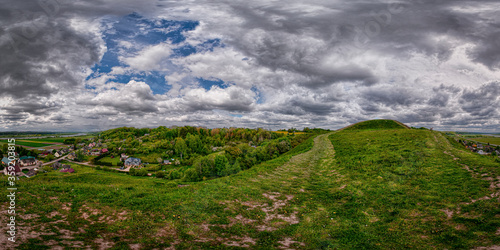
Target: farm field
29	143
369	188
491	140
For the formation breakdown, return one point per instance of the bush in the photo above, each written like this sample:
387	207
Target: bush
233	169
174	174
141	172
191	175
47	169
160	174
138	172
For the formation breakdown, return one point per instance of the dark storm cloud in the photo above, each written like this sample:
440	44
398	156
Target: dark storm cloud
316	45
40	51
32	105
442	95
392	96
487	51
310	107
14	117
483	101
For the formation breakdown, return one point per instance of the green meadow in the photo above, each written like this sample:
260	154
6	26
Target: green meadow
490	139
372	186
29	143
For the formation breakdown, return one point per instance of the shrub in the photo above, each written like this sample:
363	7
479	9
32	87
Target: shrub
174	174
191	175
141	172
47	169
233	169
160	174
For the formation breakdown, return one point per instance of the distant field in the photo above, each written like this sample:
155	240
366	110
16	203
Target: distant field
29	143
49	140
491	140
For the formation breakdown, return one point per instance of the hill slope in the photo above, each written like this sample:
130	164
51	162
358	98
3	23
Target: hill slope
376	125
383	189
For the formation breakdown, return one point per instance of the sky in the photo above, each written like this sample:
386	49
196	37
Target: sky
98	64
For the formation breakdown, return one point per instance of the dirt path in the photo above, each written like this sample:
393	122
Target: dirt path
303	165
279	188
55	160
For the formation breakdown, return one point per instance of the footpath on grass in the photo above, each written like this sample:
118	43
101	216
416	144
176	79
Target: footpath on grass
280	198
295	173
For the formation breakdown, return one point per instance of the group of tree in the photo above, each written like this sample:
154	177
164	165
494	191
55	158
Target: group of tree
234	159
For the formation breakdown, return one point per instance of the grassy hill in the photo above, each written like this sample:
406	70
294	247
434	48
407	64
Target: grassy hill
351	189
376	125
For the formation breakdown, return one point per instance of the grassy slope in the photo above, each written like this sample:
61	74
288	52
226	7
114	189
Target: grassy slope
383	189
400	184
376	125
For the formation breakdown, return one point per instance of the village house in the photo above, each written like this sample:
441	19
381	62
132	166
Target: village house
56	165
123	157
67	169
44	154
104	150
132	162
58	154
95	152
167	162
31	173
17	170
6	161
72	156
27	161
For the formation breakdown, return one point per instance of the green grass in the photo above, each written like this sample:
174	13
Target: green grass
113	161
376	125
371	189
491	140
48	140
29	143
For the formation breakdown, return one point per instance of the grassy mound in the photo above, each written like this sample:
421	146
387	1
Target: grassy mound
365	189
376	125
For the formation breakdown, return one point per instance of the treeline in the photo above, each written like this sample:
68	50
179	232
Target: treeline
20	150
234	159
186	142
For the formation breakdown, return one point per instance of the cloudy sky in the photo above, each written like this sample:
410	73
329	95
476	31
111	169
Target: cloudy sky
98	64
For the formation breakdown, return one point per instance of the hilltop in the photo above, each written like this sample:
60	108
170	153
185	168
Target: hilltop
376	125
373	186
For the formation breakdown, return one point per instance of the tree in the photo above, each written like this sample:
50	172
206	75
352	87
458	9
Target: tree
50	157
221	164
180	147
194	143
